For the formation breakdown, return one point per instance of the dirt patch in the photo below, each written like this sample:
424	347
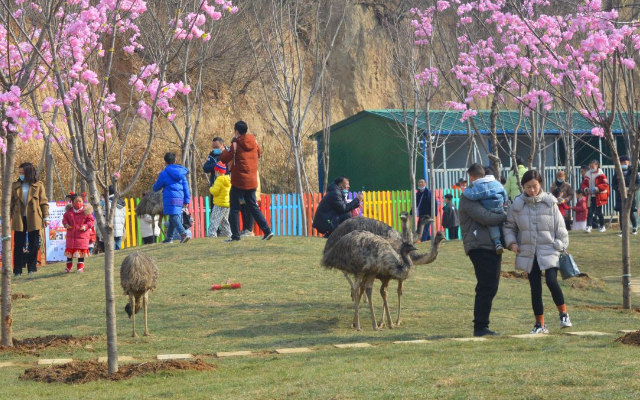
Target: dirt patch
631	338
601	308
513	275
584	281
16	296
87	371
32	345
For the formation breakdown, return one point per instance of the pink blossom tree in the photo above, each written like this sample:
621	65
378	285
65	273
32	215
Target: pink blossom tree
579	57
73	46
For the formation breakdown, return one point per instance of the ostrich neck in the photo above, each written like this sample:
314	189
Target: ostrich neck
406	260
426	258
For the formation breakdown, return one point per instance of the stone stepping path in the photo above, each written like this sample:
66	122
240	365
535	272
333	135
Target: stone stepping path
470	339
587	333
174	356
54	361
233	353
352	345
7	364
529	336
418	341
120	359
300	350
628	331
294	350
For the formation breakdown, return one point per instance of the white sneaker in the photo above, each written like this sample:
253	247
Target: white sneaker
603	229
634	231
539	329
620	233
565	321
588	230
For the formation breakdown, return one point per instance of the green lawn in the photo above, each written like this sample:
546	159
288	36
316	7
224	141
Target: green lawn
288	300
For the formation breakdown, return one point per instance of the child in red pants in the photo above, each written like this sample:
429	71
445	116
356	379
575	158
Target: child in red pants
79	221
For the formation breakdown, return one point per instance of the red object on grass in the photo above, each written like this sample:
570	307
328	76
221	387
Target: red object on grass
226	286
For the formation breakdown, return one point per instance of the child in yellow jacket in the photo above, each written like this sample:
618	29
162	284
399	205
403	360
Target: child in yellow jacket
220	213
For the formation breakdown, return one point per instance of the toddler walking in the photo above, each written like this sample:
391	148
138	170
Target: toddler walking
492	196
79	221
220	191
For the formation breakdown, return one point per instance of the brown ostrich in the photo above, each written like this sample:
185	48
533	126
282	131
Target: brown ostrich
367	256
138	276
151	204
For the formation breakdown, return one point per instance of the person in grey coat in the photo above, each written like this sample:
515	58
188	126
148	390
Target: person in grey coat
474	225
536	232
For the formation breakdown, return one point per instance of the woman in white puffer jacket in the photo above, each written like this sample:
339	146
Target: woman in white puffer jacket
536	232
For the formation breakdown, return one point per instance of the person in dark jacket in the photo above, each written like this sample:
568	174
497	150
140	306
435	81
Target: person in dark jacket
243	157
450	218
175	195
214	157
625	162
423	201
333	208
474	223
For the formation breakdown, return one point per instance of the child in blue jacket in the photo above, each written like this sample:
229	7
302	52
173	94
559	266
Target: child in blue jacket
175	195
492	196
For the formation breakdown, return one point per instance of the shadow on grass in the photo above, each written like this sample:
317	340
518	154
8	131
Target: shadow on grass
310	327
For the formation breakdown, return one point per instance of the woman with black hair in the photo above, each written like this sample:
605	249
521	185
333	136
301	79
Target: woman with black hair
29	215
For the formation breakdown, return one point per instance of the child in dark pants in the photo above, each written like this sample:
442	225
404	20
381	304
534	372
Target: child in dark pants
450	217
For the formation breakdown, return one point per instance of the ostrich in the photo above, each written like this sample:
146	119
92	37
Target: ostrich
138	276
151	203
395	239
367	256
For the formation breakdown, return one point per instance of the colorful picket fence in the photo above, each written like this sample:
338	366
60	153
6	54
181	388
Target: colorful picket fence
283	213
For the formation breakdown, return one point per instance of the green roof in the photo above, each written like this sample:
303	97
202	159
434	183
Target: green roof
448	122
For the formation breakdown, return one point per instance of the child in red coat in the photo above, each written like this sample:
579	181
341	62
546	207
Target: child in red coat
79	221
581	213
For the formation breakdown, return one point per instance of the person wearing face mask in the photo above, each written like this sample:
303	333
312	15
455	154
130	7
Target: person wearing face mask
625	162
29	214
535	232
78	220
595	187
564	193
333	208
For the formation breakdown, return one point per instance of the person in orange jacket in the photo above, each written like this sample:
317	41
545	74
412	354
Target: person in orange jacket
595	187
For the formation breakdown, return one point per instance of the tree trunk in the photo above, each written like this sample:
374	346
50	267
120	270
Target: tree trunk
296	156
48	171
7	256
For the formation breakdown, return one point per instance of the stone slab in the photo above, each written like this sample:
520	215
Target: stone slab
174	356
470	339
54	361
294	350
120	359
628	331
7	364
418	341
528	336
352	345
587	333
233	353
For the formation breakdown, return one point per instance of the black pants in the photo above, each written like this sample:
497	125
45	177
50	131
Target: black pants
453	232
595	211
535	281
486	264
149	239
30	258
633	217
247	219
249	197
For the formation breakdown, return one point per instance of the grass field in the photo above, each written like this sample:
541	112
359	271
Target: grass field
288	300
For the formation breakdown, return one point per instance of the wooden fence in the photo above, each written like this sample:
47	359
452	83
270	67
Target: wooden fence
283	213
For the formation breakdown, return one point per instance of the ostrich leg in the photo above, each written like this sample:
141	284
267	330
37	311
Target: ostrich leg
358	290
369	290
386	315
400	283
353	289
132	301
145	299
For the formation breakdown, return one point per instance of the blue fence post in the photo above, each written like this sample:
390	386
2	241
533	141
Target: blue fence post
207	212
